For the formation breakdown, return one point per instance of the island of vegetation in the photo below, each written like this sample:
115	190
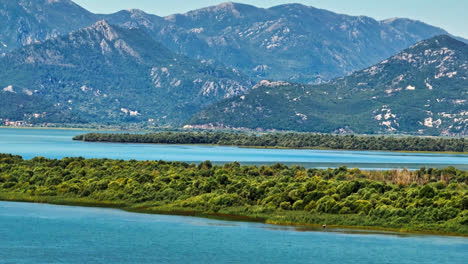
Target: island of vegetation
288	140
426	200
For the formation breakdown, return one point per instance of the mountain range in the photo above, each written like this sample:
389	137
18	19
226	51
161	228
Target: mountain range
421	90
208	68
109	74
290	42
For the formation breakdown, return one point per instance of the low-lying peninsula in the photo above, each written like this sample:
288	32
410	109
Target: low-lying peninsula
288	140
426	200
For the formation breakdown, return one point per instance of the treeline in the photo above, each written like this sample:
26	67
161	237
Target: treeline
288	140
424	200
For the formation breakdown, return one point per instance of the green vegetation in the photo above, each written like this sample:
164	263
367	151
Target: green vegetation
287	140
429	200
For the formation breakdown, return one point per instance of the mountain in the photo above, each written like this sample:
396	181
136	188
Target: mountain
289	42
109	74
421	90
59	64
28	21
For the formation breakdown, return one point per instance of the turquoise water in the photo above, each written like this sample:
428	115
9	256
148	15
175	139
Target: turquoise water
37	233
30	143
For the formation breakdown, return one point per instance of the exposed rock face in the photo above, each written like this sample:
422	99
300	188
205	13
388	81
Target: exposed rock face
266	83
29	21
421	90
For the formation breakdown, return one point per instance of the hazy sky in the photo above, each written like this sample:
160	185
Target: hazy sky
451	15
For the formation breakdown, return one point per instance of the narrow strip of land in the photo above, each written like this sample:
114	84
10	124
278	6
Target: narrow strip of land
288	140
427	200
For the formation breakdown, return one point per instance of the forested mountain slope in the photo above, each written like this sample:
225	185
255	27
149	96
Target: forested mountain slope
422	90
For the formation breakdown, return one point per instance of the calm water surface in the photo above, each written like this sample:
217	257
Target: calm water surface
30	143
37	233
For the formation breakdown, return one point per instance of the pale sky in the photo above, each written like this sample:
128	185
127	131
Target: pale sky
451	15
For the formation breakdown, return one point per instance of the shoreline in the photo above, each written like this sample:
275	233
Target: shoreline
307	227
282	148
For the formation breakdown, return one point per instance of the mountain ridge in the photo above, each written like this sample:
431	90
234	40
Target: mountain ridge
137	67
125	76
421	90
263	43
255	57
29	21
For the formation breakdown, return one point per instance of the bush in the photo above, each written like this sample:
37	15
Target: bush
298	205
326	204
311	206
345	210
426	192
285	205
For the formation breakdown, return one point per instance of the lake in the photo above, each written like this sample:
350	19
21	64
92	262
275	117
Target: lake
51	143
38	233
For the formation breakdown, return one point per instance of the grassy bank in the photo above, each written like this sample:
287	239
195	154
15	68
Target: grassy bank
282	218
426	200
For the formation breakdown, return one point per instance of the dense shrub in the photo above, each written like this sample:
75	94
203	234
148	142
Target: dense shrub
400	199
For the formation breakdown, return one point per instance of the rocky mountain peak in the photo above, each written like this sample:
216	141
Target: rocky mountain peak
43	5
136	12
292	6
441	41
228	8
101	23
390	20
105	29
439	57
426	52
226	5
57	1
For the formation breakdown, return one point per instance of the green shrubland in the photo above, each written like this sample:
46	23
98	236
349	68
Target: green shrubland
429	200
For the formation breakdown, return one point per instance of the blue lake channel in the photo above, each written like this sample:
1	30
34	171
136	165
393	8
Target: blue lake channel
58	144
39	233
